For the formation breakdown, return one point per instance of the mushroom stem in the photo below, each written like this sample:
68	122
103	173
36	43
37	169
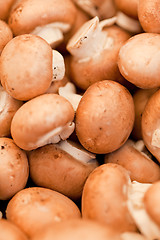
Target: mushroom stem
69	92
128	23
90	39
87	6
52	33
156	138
58	66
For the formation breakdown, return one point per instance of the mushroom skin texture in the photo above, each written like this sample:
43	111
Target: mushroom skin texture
76	229
33	208
63	170
136	162
152	198
140	98
151	126
94	54
5	7
26	67
130	8
45	119
138	60
104	198
13	167
10	231
104	117
5	34
8	107
148	15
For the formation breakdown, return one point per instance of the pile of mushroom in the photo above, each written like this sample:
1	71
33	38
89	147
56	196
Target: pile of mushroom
79	119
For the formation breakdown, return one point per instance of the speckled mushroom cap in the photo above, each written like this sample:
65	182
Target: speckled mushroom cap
148	15
33	208
13	167
139	60
5	34
134	158
26	67
28	14
10	231
104	117
128	7
5	7
42	120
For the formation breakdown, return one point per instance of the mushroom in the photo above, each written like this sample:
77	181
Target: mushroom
13	167
63	167
132	236
76	229
104	117
5	7
94	52
5	34
10	231
104	198
140	98
151	126
130	8
148	15
8	107
28	66
42	120
48	19
139	60
33	208
134	157
56	84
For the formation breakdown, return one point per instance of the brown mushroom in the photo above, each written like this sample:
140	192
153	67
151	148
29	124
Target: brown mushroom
104	117
5	34
5	7
33	208
42	120
128	7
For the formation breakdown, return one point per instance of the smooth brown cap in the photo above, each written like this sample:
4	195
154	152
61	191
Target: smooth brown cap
5	34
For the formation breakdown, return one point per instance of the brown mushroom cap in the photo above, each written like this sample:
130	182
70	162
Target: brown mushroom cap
13	167
10	231
148	14
39	120
152	202
139	60
5	7
139	165
58	169
128	7
151	125
5	34
104	117
76	229
28	14
26	67
104	197
33	208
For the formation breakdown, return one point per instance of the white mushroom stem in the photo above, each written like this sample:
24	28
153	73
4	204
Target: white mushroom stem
90	39
76	151
137	210
156	138
69	92
52	32
88	6
58	66
128	23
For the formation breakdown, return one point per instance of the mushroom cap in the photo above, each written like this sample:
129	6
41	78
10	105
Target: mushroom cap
104	117
5	34
28	14
26	67
104	197
152	198
5	7
33	208
36	120
139	60
103	65
54	168
76	229
13	167
148	15
10	231
130	8
139	165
